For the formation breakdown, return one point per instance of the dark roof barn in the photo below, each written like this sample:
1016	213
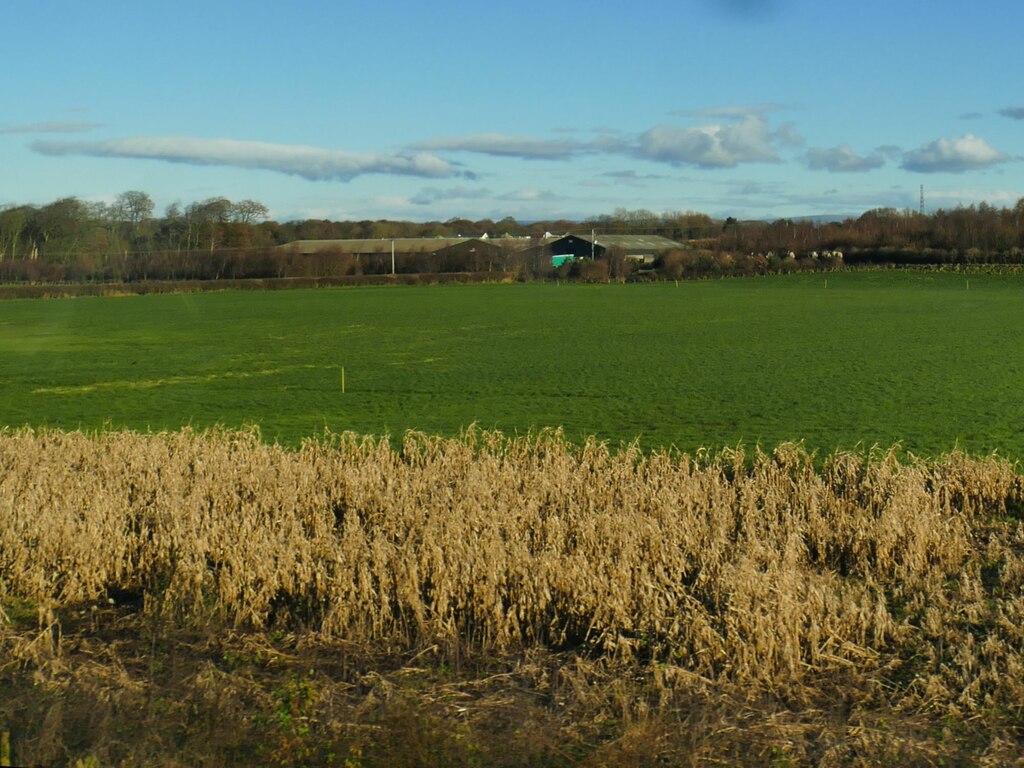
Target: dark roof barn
632	246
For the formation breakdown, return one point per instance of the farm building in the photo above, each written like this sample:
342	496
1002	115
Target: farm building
641	248
400	245
434	253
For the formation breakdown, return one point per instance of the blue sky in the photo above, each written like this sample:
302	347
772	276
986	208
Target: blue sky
433	110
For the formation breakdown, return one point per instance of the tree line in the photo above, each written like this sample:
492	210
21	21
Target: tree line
979	233
72	240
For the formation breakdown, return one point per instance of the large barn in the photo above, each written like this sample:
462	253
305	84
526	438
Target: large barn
438	253
399	245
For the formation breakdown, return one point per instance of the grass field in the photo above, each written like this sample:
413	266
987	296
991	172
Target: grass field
925	359
202	598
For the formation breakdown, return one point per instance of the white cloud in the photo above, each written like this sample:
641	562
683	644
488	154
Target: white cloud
788	136
739	135
313	163
530	195
842	159
503	145
52	126
968	153
747	140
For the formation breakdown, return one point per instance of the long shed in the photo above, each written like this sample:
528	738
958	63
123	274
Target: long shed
436	254
374	246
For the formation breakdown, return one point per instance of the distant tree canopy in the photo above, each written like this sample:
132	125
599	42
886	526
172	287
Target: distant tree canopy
71	239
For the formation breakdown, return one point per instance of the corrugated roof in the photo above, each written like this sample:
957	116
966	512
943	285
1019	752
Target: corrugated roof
633	242
401	244
377	245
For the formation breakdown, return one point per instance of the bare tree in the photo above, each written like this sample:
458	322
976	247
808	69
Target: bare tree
249	211
12	224
134	206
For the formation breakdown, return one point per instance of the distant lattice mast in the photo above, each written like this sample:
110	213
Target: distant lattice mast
922	199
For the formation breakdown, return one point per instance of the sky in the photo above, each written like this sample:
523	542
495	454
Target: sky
431	110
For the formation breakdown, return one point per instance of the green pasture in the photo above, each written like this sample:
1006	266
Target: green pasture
839	360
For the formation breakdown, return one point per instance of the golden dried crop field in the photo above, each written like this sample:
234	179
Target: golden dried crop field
894	582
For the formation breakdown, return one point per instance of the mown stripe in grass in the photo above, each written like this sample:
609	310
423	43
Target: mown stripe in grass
169	381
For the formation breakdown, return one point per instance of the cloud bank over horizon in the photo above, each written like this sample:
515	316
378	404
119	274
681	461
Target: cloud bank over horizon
503	145
312	163
742	136
720	139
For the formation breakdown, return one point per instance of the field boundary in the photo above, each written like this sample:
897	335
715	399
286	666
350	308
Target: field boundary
67	290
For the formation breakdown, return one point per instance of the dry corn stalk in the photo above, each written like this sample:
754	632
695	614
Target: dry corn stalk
757	568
